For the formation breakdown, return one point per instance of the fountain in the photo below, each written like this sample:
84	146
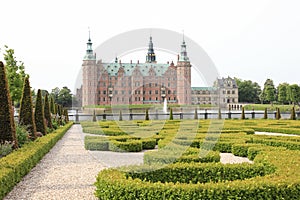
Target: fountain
165	109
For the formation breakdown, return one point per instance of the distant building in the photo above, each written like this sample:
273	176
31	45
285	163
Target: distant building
148	83
224	92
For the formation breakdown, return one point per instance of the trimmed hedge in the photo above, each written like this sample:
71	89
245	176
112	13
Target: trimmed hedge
283	184
198	173
127	146
96	143
17	164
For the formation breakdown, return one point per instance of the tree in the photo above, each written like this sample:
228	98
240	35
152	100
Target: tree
248	91
219	114
283	93
268	94
39	115
15	72
52	106
26	116
47	112
64	97
54	94
7	123
278	115
293	94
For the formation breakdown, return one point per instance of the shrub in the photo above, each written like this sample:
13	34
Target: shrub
278	115
219	114
26	116
196	114
22	134
7	123
95	118
96	143
5	149
148	143
39	114
128	146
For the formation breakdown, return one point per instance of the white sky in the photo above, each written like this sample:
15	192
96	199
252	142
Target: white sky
254	40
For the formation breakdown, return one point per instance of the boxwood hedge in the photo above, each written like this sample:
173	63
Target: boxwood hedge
17	164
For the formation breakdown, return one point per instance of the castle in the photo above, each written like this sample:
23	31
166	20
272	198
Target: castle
147	83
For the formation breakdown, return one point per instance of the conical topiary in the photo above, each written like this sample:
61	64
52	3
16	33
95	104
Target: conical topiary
47	112
66	116
147	115
278	115
7	123
94	116
171	114
52	106
26	116
243	113
293	114
196	114
219	114
120	116
266	114
39	114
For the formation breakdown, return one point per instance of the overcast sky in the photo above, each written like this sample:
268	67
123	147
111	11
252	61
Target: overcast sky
254	40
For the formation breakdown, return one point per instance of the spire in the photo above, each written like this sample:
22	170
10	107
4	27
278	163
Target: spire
183	54
89	50
150	58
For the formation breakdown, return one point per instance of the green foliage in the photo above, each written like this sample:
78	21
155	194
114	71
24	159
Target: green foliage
127	146
268	94
243	113
5	149
47	112
194	173
52	106
96	143
171	114
22	135
282	90
15	72
7	123
147	115
148	143
248	91
17	164
293	114
26	116
39	114
293	93
62	96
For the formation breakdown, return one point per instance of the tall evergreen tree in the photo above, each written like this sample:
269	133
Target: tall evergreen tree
266	113
94	116
120	116
52	105
26	116
39	115
7	123
147	115
219	114
278	115
47	112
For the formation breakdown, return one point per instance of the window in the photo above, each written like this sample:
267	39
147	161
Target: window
150	84
150	92
169	91
228	91
156	91
104	91
233	92
103	98
149	98
116	91
123	92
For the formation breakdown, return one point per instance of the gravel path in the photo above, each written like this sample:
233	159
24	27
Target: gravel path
68	171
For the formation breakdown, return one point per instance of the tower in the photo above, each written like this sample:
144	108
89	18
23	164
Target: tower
89	76
183	76
150	58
